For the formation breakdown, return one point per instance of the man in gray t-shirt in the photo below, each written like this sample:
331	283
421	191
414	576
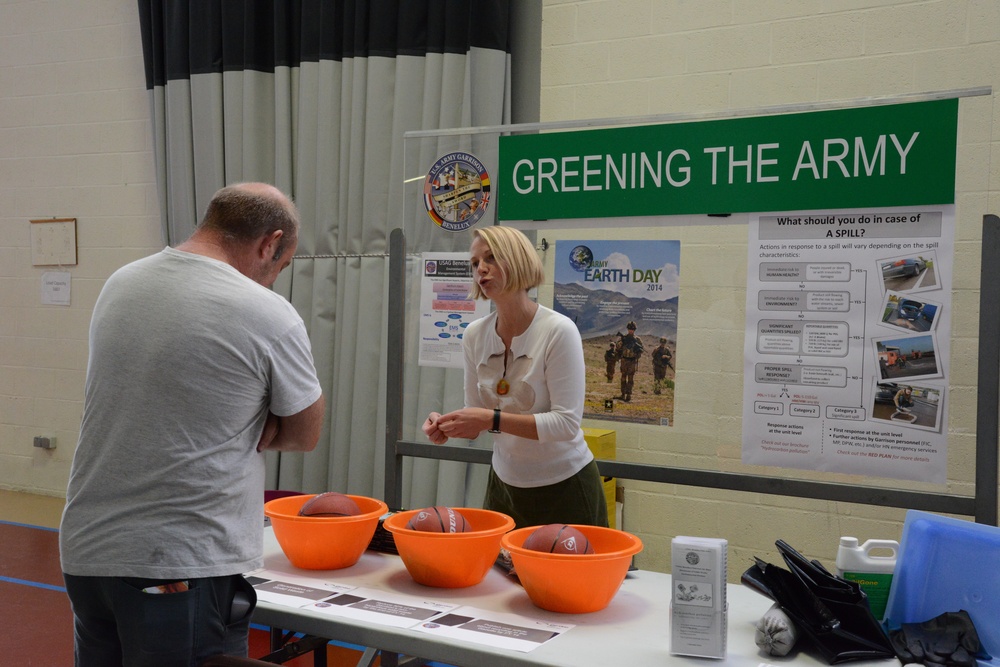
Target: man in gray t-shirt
196	368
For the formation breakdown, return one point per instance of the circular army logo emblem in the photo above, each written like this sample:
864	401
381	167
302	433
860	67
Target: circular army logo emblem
457	191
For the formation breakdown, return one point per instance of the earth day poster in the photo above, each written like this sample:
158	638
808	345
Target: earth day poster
604	286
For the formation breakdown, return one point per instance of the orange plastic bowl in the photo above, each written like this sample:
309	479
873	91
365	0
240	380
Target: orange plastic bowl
450	560
573	583
323	542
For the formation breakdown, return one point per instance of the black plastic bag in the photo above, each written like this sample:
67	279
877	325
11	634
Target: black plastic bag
831	611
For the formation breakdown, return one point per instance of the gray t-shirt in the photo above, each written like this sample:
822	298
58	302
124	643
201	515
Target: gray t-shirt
187	356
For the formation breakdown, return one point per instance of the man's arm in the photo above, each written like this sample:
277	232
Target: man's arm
295	433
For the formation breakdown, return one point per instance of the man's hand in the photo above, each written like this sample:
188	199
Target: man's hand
294	433
270	430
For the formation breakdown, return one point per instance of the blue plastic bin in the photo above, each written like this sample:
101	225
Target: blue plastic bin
947	564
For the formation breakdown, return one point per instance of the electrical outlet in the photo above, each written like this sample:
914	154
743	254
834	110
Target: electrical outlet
45	442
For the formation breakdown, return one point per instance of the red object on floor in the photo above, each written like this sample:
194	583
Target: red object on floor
260	645
271	494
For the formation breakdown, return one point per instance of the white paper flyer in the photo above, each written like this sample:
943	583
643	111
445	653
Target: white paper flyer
446	307
699	610
846	354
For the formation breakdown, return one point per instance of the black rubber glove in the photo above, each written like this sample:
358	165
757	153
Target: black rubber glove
949	639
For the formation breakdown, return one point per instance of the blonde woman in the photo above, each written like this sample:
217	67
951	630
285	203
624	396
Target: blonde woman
524	382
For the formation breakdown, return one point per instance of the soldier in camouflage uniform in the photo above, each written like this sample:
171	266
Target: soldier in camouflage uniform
631	350
611	359
661	360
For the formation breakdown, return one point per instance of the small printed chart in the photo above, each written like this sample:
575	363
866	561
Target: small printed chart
446	308
846	352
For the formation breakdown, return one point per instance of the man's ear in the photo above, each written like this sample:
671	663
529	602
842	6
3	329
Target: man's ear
269	247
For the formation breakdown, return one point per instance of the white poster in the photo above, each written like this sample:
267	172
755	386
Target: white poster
56	288
846	355
623	297
446	307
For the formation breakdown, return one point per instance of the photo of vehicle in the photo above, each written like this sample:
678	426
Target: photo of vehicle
909	357
885	392
910	309
911	266
909	273
891	357
903	311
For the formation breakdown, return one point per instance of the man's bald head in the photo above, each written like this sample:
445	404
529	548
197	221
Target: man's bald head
242	214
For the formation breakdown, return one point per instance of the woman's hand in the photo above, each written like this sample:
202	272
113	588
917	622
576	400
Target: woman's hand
465	423
432	431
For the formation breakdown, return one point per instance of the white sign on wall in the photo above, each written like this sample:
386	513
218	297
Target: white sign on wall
56	288
846	356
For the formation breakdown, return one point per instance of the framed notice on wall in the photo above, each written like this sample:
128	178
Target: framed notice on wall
53	242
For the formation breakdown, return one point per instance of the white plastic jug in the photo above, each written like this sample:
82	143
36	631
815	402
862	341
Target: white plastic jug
873	572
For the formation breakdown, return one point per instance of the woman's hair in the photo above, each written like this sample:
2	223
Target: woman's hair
516	257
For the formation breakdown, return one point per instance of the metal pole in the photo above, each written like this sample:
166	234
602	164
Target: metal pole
394	372
989	370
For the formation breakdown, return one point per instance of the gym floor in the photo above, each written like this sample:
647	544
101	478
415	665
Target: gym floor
35	616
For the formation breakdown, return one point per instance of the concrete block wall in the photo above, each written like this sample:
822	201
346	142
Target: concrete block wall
616	58
75	142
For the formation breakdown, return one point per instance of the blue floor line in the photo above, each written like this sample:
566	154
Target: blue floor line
28	525
25	582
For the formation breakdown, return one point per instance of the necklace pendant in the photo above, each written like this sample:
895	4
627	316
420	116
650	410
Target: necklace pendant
503	387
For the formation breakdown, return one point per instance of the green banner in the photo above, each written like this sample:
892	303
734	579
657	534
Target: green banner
891	155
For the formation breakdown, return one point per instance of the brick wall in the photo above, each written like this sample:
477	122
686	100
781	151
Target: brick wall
616	58
75	142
